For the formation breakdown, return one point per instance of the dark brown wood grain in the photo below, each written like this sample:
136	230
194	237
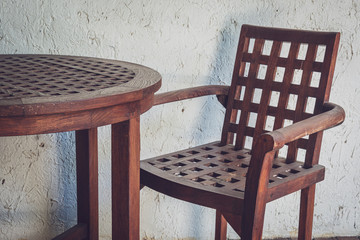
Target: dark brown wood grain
234	221
325	120
79	231
125	177
278	99
194	92
60	84
52	93
66	93
16	126
87	181
220	226
307	201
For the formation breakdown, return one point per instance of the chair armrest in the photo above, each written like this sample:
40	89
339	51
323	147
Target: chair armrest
194	92
266	145
333	115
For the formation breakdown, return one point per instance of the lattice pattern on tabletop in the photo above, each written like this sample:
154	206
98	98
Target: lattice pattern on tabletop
277	83
220	167
67	76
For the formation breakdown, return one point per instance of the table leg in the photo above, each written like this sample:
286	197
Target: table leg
87	181
126	179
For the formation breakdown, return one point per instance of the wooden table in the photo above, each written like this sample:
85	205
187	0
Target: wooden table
49	93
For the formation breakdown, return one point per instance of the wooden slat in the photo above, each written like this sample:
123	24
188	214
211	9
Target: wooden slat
282	62
212	164
297	36
277	86
265	98
301	96
284	96
244	117
271	111
235	90
312	155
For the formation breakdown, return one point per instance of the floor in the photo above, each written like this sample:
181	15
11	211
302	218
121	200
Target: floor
340	238
333	238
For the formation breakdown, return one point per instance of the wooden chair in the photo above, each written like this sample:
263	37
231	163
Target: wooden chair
280	77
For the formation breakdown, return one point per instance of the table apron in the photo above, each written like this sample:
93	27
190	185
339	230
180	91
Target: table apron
62	122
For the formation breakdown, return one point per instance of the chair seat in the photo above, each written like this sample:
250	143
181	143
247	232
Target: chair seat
202	174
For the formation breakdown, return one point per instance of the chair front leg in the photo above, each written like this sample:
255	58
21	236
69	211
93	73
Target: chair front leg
256	189
253	229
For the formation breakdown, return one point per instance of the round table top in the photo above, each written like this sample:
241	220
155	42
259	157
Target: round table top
54	93
47	84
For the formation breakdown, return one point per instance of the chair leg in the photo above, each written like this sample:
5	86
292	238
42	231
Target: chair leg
220	226
306	213
253	222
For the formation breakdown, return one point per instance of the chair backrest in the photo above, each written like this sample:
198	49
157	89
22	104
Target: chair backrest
280	77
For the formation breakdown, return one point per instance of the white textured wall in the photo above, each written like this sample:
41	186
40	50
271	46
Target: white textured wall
190	42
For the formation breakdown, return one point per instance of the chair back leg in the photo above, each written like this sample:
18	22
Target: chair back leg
220	226
306	213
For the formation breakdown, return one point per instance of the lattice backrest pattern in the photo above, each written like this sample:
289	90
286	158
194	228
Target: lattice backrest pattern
280	77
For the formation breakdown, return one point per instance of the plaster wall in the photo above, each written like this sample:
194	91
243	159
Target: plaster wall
191	43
